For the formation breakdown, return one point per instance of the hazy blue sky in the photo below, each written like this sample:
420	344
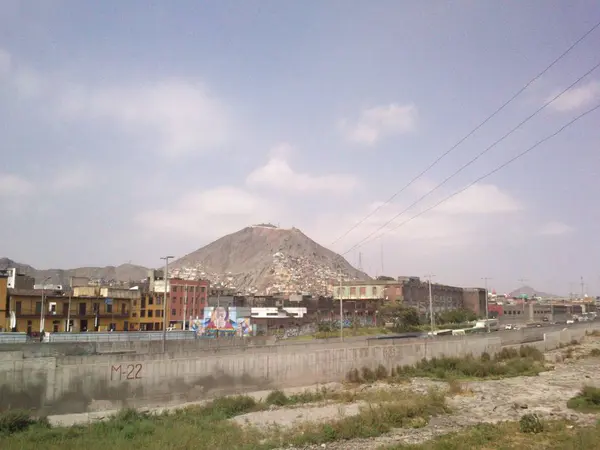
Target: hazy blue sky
131	129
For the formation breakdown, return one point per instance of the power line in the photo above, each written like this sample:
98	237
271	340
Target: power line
468	135
479	155
500	167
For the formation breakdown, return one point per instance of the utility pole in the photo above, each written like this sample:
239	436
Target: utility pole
487	315
582	289
69	308
42	311
341	308
166	278
523	281
432	319
185	301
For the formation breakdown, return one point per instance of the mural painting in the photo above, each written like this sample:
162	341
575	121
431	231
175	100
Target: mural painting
222	322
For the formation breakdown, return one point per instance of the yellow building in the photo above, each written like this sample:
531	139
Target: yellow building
147	312
4	311
102	309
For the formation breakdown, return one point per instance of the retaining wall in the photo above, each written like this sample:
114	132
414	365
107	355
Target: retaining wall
60	384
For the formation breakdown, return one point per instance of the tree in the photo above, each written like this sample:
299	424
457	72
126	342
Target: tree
404	318
385	278
456	316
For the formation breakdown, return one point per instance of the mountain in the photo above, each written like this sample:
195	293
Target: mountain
266	259
530	292
110	274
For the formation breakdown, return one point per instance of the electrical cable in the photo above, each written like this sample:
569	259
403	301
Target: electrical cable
500	167
473	131
479	155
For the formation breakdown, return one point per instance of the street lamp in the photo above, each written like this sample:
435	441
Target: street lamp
42	311
166	278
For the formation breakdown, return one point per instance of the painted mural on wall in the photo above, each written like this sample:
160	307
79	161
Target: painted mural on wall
221	321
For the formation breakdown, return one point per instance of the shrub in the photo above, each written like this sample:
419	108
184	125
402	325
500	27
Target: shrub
531	423
228	407
353	376
368	375
595	352
381	373
277	398
588	400
485	356
15	420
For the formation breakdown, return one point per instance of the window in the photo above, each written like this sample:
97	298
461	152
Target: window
202	289
18	307
150	301
109	308
363	290
38	307
174	289
353	290
142	313
150	313
135	303
96	307
134	314
374	290
173	312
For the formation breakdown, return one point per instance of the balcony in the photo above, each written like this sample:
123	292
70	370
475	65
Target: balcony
74	313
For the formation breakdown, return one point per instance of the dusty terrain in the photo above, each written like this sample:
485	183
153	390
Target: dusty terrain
482	401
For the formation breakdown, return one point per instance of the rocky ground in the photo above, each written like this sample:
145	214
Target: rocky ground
481	401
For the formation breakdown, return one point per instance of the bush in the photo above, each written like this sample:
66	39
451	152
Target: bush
588	400
277	398
15	420
368	375
595	352
228	407
531	423
381	373
353	376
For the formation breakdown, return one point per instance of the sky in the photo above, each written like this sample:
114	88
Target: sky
134	129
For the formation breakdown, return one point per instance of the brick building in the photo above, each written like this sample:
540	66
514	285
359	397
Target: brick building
187	298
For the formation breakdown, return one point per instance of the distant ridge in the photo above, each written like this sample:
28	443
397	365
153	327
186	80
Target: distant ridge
121	274
531	292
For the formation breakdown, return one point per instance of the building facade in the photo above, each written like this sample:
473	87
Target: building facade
104	309
147	313
187	299
4	307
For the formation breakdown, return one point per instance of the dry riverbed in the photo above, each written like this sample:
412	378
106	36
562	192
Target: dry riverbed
480	401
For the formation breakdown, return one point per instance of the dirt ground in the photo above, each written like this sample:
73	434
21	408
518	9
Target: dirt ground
483	401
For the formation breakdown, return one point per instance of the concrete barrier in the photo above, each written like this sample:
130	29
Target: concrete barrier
55	383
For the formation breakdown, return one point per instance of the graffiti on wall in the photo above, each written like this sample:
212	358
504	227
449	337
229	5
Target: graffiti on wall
126	372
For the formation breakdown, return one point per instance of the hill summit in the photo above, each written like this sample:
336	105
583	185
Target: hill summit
266	259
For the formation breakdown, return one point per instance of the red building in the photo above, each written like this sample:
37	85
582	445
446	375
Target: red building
186	297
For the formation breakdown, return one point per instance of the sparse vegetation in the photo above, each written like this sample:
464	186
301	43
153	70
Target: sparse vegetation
413	410
556	435
595	352
13	421
587	401
510	362
531	423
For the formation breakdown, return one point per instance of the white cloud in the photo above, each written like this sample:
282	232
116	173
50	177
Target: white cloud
207	213
11	184
480	199
5	62
576	98
555	229
278	175
379	122
72	178
173	116
179	117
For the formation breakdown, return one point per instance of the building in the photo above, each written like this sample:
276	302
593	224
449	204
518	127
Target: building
4	308
17	280
85	309
474	300
411	291
187	299
147	312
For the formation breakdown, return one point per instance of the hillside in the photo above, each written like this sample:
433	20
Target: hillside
118	274
530	292
264	259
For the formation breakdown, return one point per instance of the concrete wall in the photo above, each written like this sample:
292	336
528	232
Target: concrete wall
57	383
